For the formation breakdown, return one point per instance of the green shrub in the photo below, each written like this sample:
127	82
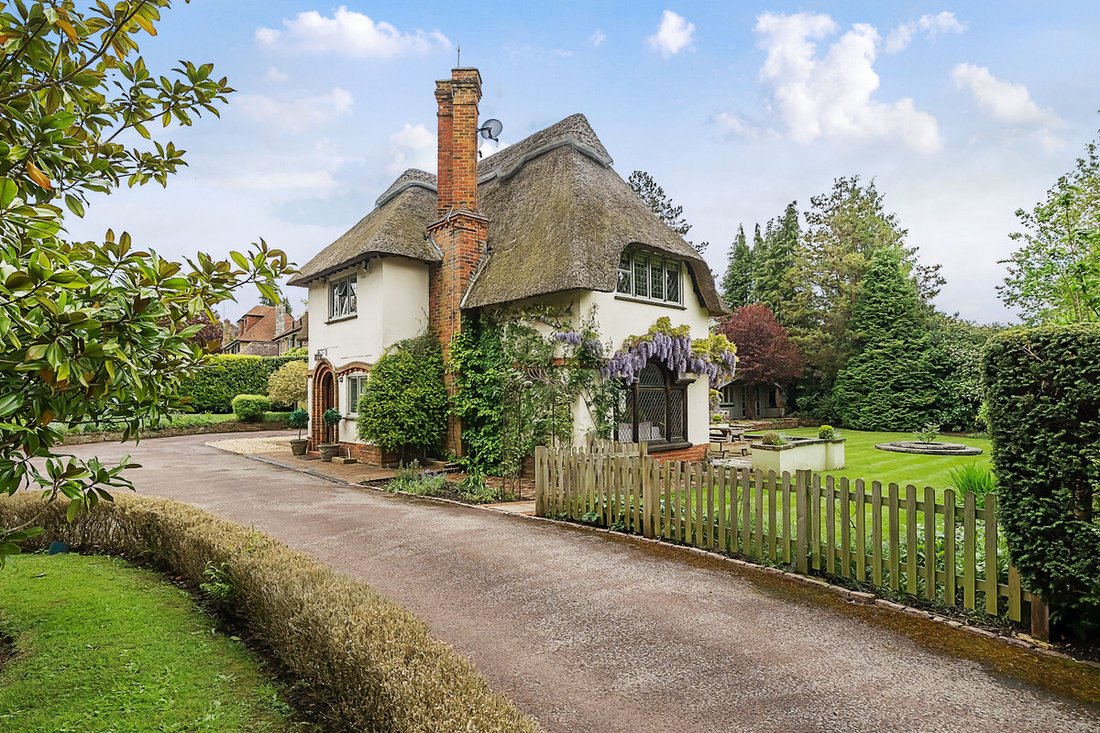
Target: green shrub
225	376
298	420
1043	394
250	407
927	434
366	663
826	432
404	404
474	488
287	385
772	438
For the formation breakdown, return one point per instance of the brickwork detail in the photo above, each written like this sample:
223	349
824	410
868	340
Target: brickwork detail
692	453
461	230
321	372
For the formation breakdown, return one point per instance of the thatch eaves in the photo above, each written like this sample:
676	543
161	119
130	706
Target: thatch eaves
397	226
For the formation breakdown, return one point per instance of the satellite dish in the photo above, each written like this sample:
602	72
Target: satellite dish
491	130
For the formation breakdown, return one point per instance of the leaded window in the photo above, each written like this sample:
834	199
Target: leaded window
656	408
650	277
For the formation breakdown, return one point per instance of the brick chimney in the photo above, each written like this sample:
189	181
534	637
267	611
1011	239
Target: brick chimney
460	230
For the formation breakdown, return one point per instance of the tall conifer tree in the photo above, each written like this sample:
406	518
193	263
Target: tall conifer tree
737	285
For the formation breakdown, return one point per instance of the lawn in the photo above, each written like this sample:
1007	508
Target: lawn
100	645
863	460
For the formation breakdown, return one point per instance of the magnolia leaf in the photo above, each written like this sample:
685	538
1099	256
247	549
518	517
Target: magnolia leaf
40	178
8	192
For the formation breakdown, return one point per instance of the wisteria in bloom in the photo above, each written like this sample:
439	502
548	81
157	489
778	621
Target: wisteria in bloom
672	350
587	343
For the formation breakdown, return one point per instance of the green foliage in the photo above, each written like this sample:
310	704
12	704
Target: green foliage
773	260
288	384
475	488
404	404
888	384
738	283
218	585
94	330
772	438
480	371
1043	390
222	377
250	407
826	432
298	420
87	628
927	434
976	478
955	353
844	229
297	351
410	479
1054	275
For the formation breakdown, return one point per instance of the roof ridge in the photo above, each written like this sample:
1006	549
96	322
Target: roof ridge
411	178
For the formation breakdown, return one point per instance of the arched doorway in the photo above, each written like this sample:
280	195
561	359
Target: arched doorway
325	397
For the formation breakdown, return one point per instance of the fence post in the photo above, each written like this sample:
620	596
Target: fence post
541	475
1040	619
651	482
802	520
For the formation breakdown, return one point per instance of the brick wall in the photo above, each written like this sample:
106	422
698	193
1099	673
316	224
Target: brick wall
691	453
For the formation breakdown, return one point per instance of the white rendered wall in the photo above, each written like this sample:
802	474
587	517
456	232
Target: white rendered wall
392	305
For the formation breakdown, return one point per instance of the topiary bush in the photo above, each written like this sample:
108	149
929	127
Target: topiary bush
298	419
772	438
826	432
1043	394
403	407
250	407
225	376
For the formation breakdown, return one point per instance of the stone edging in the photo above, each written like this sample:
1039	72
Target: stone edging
852	596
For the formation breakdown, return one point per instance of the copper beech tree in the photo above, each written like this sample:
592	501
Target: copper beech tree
765	352
93	331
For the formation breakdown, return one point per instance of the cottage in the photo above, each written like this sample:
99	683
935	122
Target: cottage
256	332
546	220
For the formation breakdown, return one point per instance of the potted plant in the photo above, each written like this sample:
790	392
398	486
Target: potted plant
331	418
299	419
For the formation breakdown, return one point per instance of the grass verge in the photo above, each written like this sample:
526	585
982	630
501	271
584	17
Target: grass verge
100	645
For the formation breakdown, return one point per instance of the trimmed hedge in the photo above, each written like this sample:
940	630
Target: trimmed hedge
251	407
369	664
225	376
1043	394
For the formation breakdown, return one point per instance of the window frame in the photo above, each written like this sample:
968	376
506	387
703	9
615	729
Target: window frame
629	284
351	281
360	378
672	383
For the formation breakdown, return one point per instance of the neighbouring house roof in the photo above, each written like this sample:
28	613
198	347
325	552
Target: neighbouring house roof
300	328
559	218
264	328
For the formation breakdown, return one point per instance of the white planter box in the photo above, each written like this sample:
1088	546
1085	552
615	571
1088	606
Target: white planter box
799	454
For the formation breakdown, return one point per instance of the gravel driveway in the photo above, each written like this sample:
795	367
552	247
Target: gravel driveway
588	632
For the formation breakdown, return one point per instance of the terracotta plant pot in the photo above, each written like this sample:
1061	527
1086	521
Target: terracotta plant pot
328	451
298	446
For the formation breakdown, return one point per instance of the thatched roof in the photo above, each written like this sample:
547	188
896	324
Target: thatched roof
396	226
559	217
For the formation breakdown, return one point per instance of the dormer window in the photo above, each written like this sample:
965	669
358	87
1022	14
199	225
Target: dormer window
649	277
341	298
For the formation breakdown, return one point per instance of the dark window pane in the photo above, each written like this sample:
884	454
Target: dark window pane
641	278
657	280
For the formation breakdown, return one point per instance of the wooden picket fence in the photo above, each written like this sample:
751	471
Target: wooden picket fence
863	531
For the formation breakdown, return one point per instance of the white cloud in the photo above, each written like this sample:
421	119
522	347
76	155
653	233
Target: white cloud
736	125
296	114
413	146
1004	101
673	34
350	34
931	25
597	38
831	96
273	74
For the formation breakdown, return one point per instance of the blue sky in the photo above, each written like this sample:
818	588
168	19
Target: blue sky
961	112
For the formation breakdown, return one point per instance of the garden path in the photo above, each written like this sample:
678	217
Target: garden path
592	632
